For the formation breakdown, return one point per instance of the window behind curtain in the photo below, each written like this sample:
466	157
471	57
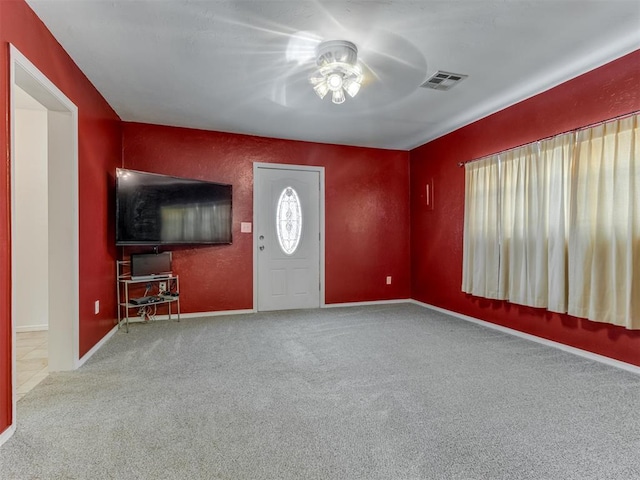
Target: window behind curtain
556	224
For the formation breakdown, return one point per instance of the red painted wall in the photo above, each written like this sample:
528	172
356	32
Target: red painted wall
436	235
367	212
99	153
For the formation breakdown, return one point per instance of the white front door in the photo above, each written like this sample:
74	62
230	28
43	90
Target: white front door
287	237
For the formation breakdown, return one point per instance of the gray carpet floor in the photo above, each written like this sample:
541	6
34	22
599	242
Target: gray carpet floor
381	392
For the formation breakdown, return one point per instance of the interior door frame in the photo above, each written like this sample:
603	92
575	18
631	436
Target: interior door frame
321	220
64	261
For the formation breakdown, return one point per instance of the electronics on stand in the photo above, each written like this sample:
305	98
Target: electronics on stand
146	300
150	266
151	275
159	210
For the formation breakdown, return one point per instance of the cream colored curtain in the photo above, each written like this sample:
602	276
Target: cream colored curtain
604	243
481	258
534	186
524	226
557	153
556	224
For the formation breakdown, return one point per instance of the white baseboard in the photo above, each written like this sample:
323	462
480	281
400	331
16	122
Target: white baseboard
366	304
214	314
186	316
550	343
32	328
218	313
6	435
96	347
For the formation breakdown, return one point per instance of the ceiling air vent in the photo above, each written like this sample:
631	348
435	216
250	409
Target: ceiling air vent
443	80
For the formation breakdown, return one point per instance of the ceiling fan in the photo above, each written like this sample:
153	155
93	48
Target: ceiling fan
338	70
380	68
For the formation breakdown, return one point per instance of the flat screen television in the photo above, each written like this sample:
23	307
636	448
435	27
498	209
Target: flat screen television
153	209
150	265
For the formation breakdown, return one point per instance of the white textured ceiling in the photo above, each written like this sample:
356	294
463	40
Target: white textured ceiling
243	66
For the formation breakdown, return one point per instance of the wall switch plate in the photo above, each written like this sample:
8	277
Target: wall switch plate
389	280
245	227
162	286
96	307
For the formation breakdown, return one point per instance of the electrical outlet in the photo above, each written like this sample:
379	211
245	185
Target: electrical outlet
96	307
162	286
389	280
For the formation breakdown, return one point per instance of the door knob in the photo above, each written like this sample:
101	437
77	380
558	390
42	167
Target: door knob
261	237
261	247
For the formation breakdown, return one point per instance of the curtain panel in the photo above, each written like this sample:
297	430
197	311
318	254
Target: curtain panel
481	259
556	224
604	240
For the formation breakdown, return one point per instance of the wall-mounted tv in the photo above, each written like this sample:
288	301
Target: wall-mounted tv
153	209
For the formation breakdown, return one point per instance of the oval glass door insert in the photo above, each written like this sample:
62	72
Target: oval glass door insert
289	220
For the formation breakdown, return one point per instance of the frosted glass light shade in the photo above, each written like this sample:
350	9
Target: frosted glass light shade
338	96
321	89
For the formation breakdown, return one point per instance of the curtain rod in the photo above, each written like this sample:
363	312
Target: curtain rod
591	125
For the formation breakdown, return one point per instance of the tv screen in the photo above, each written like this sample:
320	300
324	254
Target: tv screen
150	264
153	209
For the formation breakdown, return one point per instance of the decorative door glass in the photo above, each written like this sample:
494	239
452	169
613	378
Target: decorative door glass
289	220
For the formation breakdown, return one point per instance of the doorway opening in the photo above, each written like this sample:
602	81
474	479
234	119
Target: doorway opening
44	219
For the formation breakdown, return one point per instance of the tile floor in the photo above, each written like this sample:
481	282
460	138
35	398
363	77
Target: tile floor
32	364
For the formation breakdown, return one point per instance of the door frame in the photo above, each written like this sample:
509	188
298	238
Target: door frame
321	220
64	344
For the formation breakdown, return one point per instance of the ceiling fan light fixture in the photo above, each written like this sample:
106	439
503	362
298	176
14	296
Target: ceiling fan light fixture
352	87
338	97
338	70
335	81
321	89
